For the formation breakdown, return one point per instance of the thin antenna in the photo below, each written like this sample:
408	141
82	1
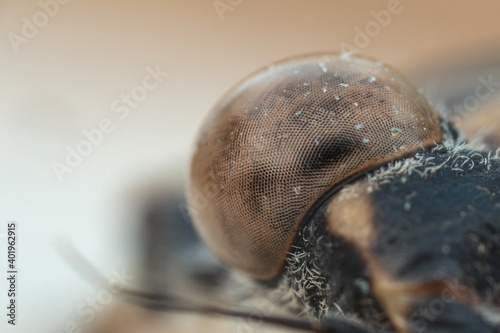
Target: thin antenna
167	303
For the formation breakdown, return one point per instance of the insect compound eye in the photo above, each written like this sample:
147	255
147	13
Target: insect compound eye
280	139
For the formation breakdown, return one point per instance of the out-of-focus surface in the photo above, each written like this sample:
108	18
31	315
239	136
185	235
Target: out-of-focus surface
68	67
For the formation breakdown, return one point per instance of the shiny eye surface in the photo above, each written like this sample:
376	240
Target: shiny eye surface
280	139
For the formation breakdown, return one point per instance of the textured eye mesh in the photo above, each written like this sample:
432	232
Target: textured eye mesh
286	135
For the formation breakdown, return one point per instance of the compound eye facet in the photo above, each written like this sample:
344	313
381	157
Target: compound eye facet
286	135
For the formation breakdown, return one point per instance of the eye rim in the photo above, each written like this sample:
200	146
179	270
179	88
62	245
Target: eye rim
239	90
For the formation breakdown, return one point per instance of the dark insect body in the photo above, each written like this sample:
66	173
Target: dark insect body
332	184
300	197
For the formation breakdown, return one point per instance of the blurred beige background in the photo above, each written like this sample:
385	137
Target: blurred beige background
67	67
